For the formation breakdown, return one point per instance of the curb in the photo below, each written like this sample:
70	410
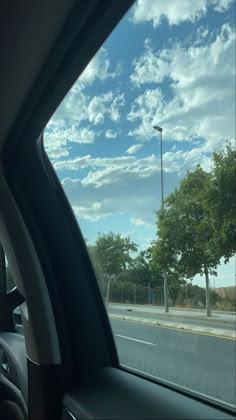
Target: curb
216	311
193	317
217	332
197	318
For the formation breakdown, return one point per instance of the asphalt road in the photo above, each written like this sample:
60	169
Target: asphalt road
204	364
179	319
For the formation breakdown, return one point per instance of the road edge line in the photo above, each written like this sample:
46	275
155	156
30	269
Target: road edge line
194	329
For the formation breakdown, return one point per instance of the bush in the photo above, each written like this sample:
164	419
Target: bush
225	305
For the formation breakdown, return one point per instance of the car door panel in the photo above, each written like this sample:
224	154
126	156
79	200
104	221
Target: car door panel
113	394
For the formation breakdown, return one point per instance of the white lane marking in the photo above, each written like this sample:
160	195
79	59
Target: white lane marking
135	339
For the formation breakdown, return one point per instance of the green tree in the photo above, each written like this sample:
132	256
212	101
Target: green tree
111	258
111	253
163	260
142	272
185	242
222	201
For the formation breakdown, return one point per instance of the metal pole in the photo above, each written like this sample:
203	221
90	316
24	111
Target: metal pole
162	183
162	207
159	129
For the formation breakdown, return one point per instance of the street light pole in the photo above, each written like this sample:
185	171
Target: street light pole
160	130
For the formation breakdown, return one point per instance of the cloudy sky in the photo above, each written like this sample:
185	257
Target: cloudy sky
169	63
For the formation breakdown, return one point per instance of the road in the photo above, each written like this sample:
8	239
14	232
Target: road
202	363
179	319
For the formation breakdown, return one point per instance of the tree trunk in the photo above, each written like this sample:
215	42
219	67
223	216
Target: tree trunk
208	300
166	293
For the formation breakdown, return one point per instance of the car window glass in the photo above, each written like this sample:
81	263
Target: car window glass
144	147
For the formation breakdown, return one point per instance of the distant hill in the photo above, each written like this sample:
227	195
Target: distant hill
227	292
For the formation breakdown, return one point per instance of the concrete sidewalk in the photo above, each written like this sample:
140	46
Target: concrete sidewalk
228	317
197	329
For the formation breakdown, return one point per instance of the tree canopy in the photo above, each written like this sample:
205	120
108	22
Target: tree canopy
222	201
111	253
142	272
185	231
198	226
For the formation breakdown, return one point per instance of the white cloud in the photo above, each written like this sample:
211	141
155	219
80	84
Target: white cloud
146	108
202	80
103	171
175	12
57	152
65	126
122	162
81	135
55	139
107	104
110	134
74	106
117	185
91	212
99	68
58	137
138	222
180	161
134	149
97	108
150	67
221	5
117	102
113	191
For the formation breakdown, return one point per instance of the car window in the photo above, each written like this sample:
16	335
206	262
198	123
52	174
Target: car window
143	145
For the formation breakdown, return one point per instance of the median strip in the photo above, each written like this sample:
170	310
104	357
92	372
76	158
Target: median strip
197	329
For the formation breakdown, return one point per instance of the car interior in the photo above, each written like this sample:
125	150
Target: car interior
58	355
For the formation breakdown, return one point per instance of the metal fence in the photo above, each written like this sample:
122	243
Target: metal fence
131	293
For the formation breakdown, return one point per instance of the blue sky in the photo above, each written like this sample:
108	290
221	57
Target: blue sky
168	63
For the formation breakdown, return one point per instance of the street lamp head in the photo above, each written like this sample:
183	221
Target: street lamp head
157	128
